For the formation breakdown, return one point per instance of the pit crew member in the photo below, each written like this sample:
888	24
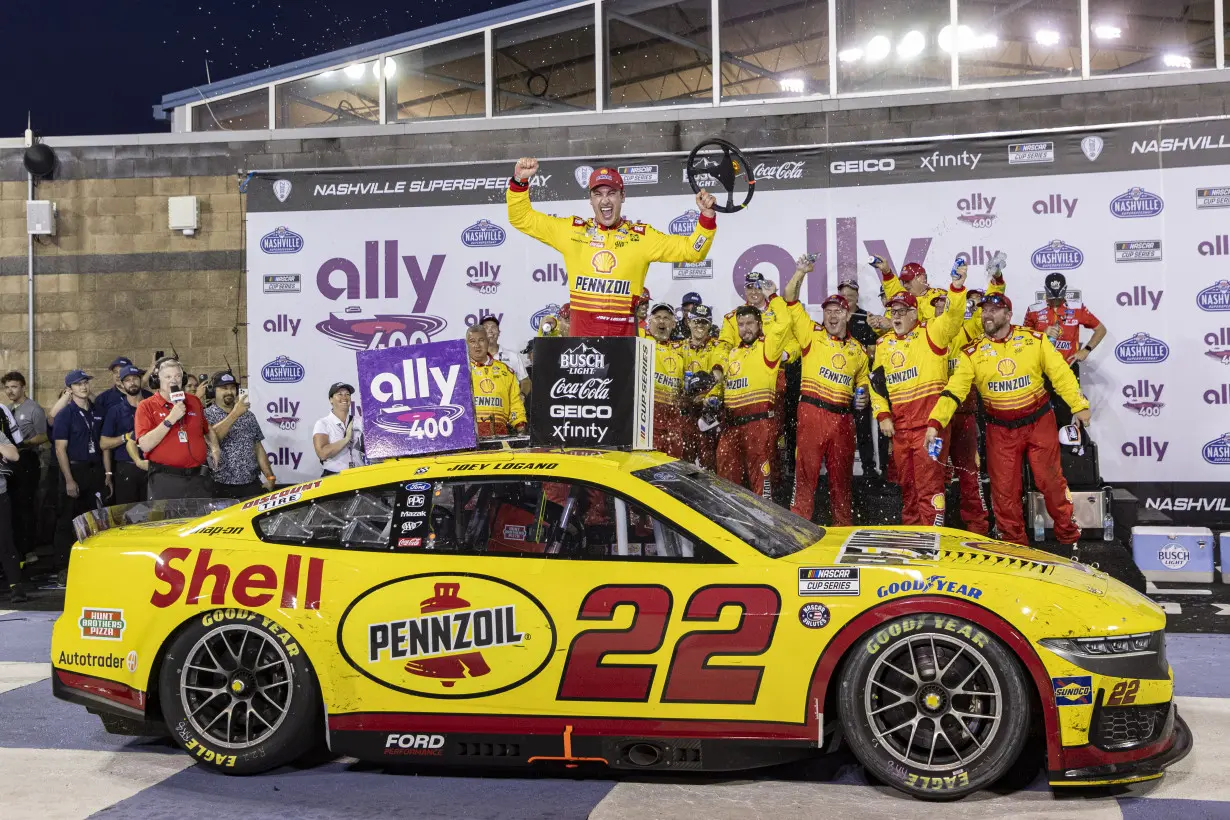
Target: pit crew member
1061	320
701	354
667	382
913	280
834	367
1006	367
498	408
914	361
607	256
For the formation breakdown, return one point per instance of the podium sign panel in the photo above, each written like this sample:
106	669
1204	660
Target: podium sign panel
593	392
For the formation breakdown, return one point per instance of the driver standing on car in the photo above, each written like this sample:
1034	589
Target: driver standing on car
608	256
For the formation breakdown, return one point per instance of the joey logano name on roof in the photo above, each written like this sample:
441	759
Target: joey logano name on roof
438	634
421	186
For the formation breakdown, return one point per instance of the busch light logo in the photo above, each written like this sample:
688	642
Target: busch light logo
685	224
281	240
281	189
582	174
1216	297
282	370
483	234
1136	203
381	331
1058	255
582	360
537	318
1173	556
1142	349
1217	451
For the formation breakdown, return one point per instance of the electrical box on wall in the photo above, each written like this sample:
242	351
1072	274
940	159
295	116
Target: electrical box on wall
41	218
184	214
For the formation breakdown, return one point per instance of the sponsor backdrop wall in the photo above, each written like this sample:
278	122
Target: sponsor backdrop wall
1135	217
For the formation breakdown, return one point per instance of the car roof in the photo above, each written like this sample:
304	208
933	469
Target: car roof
623	460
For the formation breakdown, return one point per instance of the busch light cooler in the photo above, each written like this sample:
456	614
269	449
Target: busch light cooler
1174	554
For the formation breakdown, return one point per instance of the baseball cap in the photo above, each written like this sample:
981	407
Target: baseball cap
910	271
970	292
906	299
120	361
997	300
75	376
223	377
565	311
691	296
701	312
853	283
836	299
1056	284
336	386
754	278
939	298
606	176
490	318
129	370
660	306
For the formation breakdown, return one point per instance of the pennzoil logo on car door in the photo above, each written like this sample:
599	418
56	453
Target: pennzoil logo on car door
447	635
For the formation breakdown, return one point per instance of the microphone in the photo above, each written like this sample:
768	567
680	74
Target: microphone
177	395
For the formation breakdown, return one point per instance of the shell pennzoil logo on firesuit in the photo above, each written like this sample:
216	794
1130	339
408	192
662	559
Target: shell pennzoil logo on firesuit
447	636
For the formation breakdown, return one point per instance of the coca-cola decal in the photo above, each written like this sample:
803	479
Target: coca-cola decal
783	170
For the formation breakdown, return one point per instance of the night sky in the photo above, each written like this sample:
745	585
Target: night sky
90	67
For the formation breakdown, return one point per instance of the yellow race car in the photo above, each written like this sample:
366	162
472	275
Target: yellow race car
571	608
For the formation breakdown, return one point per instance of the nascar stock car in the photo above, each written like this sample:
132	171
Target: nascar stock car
603	610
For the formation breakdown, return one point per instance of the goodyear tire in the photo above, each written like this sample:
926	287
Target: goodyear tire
238	693
934	706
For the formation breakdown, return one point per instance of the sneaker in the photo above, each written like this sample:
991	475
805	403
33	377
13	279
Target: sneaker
17	595
62	577
31	558
54	584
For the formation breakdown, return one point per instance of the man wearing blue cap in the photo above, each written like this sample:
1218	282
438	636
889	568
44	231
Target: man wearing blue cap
126	479
682	332
77	431
115	394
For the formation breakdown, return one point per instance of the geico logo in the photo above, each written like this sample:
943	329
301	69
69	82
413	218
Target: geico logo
251	586
414	742
584	411
861	166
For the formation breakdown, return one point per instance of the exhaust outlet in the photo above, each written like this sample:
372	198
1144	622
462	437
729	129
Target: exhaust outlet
643	754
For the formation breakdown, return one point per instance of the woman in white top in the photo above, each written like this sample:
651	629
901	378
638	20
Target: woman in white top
338	437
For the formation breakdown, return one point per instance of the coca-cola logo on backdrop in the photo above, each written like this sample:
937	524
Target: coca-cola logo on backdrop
784	170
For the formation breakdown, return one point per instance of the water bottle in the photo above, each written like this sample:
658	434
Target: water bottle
997	263
687	380
1039	528
1108	527
859	395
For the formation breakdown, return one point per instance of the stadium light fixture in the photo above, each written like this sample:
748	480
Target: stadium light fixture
1107	32
1177	61
390	66
878	48
1046	37
355	71
911	45
792	85
850	55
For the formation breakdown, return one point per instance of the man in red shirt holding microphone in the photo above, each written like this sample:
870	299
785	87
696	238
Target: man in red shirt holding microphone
172	431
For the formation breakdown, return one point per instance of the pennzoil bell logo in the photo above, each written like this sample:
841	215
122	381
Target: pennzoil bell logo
483	234
450	635
382	330
1215	298
282	370
1136	203
281	240
1142	348
1058	255
685	223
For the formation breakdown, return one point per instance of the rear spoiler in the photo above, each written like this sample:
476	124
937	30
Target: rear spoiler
145	512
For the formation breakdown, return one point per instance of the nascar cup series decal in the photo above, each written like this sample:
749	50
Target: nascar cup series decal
447	635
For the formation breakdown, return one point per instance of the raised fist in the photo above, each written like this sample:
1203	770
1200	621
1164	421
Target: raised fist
527	169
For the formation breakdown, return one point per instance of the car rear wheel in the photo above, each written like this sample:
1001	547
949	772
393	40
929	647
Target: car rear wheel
934	706
238	694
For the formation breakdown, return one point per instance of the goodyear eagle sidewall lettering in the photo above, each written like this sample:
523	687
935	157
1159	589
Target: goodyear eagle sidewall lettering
421	635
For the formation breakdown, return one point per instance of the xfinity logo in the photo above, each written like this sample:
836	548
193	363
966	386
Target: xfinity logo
862	166
962	160
281	240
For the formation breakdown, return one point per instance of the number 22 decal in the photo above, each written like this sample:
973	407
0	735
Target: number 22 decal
1124	693
690	677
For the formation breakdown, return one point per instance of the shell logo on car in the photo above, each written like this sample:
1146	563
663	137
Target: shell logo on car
447	636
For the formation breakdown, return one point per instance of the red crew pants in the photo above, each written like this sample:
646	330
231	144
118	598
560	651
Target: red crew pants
745	455
827	438
1006	451
963	449
667	436
920	476
700	447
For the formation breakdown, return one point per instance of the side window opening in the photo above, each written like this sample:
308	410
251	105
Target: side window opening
354	520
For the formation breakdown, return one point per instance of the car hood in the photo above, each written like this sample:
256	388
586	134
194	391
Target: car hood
931	547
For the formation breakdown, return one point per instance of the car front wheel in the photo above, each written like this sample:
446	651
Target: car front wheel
934	706
238	694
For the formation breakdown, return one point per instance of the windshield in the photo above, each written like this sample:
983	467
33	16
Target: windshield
767	527
145	512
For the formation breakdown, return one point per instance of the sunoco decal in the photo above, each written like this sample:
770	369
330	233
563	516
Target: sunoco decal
447	635
1074	691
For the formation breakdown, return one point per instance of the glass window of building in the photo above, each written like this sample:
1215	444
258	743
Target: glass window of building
892	45
1136	36
545	65
658	53
343	96
776	49
1010	41
243	112
437	82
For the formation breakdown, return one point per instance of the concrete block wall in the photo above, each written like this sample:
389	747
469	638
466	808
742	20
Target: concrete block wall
116	280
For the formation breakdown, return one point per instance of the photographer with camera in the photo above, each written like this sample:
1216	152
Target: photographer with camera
175	436
245	469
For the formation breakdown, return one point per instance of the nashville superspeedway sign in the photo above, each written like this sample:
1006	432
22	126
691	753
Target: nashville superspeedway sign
447	635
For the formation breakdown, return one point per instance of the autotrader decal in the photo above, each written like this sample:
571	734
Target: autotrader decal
447	635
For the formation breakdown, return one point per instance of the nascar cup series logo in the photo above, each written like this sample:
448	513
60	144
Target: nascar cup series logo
281	240
1136	203
1058	255
1217	451
1215	298
447	636
1142	349
483	234
381	331
685	223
